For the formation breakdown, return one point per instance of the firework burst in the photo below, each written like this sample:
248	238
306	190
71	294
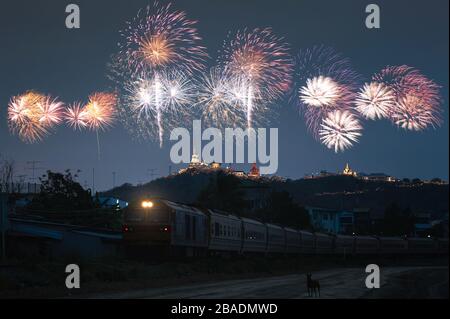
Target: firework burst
414	113
147	101
339	130
417	99
260	61
159	44
32	115
76	117
99	113
375	101
326	82
159	39
220	98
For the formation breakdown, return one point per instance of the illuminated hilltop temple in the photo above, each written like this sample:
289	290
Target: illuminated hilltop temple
197	164
348	171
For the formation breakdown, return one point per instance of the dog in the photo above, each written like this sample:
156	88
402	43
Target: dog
313	286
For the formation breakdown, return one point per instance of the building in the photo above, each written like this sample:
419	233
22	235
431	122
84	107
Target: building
362	221
348	171
422	224
254	171
256	195
196	162
215	165
331	220
378	177
239	173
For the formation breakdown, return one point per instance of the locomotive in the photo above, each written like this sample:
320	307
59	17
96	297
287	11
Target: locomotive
180	229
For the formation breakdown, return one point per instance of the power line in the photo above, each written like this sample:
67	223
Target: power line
151	173
33	169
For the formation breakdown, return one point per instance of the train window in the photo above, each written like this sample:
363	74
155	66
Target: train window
216	227
188	226
194	220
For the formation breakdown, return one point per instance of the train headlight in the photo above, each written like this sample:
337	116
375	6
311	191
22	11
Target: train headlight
147	204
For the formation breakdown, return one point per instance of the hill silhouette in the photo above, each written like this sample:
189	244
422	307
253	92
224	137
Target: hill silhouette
336	192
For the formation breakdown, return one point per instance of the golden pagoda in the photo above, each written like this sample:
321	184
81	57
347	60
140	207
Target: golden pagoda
348	171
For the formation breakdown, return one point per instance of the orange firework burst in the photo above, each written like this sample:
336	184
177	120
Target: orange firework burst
99	112
32	115
161	39
156	51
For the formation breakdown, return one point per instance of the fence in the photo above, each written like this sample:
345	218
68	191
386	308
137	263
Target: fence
20	188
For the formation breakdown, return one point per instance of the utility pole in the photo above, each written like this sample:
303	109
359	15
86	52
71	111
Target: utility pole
170	170
93	181
151	173
20	182
33	167
3	223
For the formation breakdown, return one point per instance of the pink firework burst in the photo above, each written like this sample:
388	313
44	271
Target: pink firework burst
417	98
76	117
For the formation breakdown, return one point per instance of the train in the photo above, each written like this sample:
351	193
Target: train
185	230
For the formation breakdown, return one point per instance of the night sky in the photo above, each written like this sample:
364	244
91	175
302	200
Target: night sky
38	52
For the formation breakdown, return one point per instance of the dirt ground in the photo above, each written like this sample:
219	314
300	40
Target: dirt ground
396	282
254	277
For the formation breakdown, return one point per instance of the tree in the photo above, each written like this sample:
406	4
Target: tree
281	209
398	222
61	192
6	175
223	192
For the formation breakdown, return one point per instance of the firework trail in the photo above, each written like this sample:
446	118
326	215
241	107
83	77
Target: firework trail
157	42
145	100
97	114
417	99
339	130
261	62
100	112
375	101
32	115
325	82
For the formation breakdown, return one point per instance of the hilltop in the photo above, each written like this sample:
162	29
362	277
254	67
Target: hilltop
337	191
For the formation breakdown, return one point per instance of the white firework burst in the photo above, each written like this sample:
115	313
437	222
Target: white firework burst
221	98
178	92
375	101
339	130
320	92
